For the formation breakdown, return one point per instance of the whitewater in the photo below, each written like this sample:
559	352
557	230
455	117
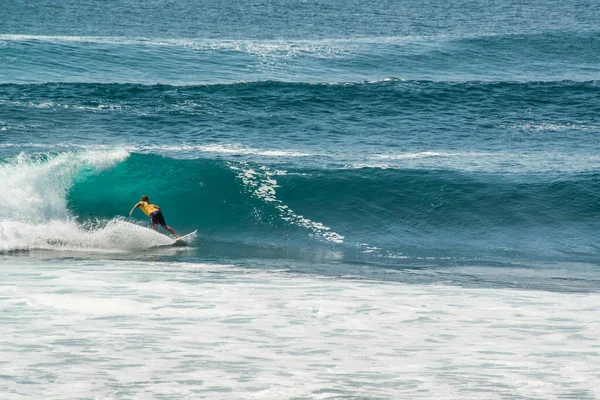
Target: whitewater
82	329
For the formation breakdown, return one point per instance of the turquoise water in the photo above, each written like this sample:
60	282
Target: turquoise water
437	165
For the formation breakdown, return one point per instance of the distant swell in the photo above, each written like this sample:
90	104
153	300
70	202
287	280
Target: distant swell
385	98
499	57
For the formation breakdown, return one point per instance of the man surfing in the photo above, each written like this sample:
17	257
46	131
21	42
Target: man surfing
153	211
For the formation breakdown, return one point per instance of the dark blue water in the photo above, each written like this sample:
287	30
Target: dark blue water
404	134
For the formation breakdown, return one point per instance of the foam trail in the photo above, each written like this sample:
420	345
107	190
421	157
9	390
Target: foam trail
116	235
262	185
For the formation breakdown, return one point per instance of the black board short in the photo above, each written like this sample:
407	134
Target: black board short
157	218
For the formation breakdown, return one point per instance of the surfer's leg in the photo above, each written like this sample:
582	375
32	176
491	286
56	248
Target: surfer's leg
171	231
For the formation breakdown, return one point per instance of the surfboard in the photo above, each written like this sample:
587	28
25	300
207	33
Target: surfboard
185	238
181	241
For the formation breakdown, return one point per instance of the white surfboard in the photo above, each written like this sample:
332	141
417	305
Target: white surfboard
186	238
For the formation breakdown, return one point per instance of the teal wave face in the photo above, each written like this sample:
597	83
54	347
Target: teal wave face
223	199
199	194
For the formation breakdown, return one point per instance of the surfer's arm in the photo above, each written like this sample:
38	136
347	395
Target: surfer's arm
133	209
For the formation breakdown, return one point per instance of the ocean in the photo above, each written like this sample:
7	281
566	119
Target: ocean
394	200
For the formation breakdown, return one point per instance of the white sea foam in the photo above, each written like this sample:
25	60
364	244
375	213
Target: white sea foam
116	235
102	107
369	40
150	330
261	184
230	149
421	154
526	161
259	48
176	150
549	126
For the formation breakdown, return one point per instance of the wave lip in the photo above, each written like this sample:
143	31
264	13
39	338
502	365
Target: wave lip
532	162
35	186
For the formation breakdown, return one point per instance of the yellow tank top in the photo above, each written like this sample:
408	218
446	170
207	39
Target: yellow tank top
148	208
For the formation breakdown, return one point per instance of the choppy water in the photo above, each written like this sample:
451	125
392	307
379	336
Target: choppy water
392	199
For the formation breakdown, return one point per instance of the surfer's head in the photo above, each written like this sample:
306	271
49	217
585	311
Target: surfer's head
145	198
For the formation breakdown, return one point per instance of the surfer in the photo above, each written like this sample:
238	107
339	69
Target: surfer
155	214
